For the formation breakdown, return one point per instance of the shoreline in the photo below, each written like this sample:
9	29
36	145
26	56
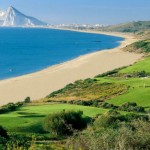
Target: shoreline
39	84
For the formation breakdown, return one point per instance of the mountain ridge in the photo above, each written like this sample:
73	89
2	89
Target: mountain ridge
15	18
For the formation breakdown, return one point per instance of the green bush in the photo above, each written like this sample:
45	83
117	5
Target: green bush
3	133
123	138
3	138
64	123
107	120
131	107
10	107
107	105
113	130
27	100
109	73
134	116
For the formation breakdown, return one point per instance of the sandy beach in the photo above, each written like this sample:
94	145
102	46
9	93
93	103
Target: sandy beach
40	84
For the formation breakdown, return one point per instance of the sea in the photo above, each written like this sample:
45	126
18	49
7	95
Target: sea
27	50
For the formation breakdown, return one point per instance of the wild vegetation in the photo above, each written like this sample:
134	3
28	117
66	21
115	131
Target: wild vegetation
114	131
88	89
139	47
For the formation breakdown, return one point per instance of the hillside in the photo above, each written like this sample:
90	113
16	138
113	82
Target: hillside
128	84
128	27
139	47
143	34
88	90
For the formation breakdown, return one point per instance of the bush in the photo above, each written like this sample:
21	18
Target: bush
3	133
132	134
94	103
10	107
27	100
131	107
110	73
64	123
123	138
109	119
107	105
134	116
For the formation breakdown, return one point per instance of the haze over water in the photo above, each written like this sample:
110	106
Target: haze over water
24	50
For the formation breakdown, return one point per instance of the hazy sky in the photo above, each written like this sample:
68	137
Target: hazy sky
83	11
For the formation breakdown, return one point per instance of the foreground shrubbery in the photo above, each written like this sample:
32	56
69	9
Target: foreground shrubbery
3	137
111	130
114	131
65	122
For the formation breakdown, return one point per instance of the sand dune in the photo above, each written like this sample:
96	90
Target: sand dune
40	84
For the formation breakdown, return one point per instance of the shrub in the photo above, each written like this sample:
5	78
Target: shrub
134	116
110	73
122	138
64	123
109	119
3	133
107	105
27	100
131	107
10	107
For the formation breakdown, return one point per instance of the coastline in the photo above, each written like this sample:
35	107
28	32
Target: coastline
39	84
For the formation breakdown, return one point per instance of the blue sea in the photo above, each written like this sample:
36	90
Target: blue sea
27	50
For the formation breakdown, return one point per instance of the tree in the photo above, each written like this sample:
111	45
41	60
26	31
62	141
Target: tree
64	123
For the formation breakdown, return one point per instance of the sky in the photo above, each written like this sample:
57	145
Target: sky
82	11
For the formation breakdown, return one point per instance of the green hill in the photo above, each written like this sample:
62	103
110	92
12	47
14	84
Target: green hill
129	27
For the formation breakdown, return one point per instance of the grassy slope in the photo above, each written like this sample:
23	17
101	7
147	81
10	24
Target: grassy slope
29	118
137	91
139	66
